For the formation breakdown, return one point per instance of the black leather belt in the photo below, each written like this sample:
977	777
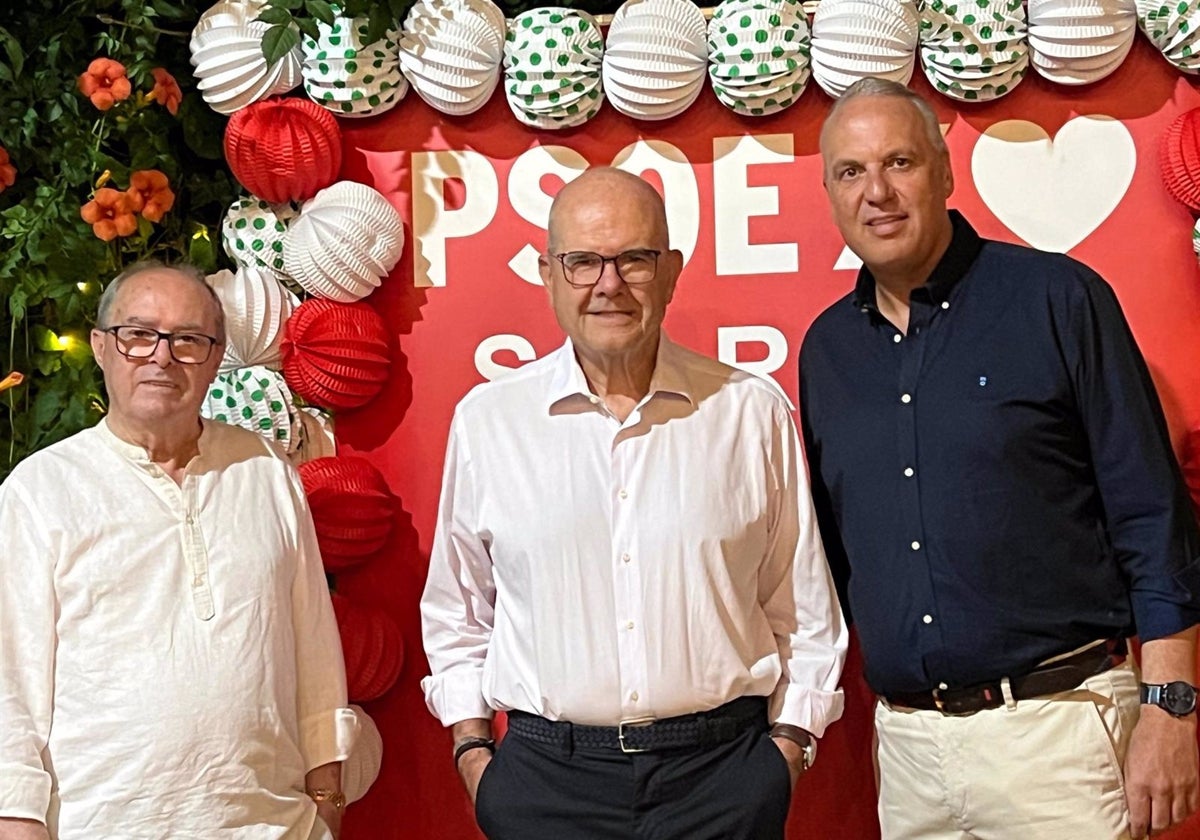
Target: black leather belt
1060	675
715	726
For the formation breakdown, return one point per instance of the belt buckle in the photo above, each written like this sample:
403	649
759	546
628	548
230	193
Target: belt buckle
632	722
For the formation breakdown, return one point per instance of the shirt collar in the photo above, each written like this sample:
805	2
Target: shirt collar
138	455
669	377
965	245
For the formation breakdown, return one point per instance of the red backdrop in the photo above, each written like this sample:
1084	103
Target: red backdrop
1142	247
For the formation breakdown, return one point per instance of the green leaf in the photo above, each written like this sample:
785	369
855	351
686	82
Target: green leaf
203	128
278	41
272	14
321	10
293	5
308	26
380	23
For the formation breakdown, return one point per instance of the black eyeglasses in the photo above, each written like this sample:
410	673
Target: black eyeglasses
585	268
142	342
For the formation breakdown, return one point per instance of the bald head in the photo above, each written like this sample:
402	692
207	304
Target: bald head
606	187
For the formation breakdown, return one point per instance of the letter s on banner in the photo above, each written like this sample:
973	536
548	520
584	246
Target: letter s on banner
485	361
432	223
531	203
728	339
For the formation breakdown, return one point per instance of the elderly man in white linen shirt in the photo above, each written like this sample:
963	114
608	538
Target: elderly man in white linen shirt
169	660
626	562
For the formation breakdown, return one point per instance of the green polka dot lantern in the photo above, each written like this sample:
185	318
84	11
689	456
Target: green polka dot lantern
974	50
1077	42
346	240
451	53
347	75
552	62
256	307
1172	27
226	52
252	233
255	398
853	39
655	58
758	55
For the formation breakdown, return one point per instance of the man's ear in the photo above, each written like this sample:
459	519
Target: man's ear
96	339
674	259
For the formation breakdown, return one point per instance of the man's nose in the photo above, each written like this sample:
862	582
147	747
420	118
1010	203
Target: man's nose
878	186
609	282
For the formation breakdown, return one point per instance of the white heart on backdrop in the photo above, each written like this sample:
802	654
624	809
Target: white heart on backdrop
1054	193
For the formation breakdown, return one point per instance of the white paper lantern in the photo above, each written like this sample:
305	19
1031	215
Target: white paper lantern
655	58
552	64
451	52
226	50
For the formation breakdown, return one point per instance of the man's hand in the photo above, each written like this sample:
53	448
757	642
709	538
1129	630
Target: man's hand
332	817
13	829
794	754
471	767
1162	781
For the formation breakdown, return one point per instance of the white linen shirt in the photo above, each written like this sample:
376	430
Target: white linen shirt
169	660
595	571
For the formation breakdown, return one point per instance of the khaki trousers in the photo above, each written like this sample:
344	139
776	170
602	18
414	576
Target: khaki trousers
1050	768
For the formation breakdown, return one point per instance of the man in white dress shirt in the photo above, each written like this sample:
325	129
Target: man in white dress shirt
169	660
626	562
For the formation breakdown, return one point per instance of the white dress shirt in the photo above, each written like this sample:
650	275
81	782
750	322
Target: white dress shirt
594	571
169	661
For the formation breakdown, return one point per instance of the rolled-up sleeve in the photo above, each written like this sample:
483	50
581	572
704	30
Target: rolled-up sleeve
797	593
27	647
328	726
458	605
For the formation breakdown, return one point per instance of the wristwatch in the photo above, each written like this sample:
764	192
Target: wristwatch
335	798
800	737
1177	698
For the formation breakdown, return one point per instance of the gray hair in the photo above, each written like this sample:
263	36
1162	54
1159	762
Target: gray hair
872	86
183	269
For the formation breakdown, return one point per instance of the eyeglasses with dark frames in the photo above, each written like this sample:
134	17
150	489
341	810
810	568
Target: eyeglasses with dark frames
585	268
187	348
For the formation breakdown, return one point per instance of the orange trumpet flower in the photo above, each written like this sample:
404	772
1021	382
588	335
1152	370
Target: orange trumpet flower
166	90
105	83
110	214
8	172
150	194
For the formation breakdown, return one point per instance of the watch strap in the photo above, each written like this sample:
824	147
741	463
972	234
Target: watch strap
475	742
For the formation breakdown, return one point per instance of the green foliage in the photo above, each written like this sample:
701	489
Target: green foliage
52	265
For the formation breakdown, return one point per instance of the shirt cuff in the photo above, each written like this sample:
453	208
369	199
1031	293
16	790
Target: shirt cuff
24	792
807	708
456	696
328	737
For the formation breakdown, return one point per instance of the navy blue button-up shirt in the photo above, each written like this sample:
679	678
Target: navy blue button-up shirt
996	486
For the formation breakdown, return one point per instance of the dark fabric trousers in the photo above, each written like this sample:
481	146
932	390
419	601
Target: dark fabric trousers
738	790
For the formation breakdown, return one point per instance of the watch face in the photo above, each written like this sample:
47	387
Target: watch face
1179	698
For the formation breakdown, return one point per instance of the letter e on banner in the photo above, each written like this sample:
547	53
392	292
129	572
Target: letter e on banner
735	201
728	339
531	203
432	223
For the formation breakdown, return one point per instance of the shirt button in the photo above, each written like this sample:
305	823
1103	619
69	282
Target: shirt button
928	619
905	398
908	472
634	697
623	494
625	558
897	338
594	400
945	304
916	546
942	686
629	625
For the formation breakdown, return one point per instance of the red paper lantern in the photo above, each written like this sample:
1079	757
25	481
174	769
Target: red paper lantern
1179	159
372	646
352	509
335	355
284	149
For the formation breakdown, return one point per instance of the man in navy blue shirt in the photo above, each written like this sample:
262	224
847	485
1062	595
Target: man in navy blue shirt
998	498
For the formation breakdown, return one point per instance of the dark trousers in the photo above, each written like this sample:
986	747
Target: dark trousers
738	790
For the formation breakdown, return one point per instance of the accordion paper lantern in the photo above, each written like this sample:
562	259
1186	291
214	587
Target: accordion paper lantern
352	509
1077	42
336	355
450	52
552	62
361	769
252	233
255	398
1179	159
231	71
284	149
372	646
256	308
347	239
655	58
347	75
974	51
1174	28
758	55
853	39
